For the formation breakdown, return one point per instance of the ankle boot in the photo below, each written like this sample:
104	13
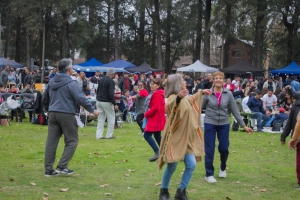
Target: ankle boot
164	194
180	195
155	157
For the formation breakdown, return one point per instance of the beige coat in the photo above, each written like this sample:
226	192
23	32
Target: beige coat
182	134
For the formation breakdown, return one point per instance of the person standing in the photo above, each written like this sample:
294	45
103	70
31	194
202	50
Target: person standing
4	76
139	101
182	139
61	100
28	78
106	105
207	83
155	116
125	82
189	83
216	122
293	124
96	78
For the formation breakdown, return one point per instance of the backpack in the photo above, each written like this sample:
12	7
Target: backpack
28	102
43	119
277	125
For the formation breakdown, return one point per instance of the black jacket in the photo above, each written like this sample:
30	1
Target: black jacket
291	122
122	84
207	84
106	90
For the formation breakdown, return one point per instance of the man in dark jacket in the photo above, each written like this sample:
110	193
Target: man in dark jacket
207	83
62	99
255	104
189	83
106	105
28	77
199	85
96	78
4	76
125	82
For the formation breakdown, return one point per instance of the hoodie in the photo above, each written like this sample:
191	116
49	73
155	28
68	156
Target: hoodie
64	95
156	112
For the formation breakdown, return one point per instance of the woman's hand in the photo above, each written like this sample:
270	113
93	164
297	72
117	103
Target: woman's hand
183	93
206	92
293	144
248	129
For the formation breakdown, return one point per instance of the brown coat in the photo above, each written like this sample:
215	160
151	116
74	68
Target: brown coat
182	133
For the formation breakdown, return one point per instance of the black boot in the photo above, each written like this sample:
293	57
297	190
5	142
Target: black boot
164	194
155	157
180	195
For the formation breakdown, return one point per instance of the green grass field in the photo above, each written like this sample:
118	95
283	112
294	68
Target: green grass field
258	168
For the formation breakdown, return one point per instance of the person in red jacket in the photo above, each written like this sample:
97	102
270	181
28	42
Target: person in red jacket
229	86
155	116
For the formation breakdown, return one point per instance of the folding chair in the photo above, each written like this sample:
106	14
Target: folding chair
131	116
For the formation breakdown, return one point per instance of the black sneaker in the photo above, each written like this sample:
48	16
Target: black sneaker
65	171
50	174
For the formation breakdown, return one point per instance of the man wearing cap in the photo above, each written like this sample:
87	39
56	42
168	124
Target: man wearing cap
281	116
96	78
270	84
125	82
255	104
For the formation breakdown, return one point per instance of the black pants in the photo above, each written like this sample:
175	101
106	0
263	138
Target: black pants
139	120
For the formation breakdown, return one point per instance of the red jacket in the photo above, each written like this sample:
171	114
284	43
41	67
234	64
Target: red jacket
156	113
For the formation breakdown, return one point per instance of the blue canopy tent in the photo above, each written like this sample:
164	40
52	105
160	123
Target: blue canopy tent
93	69
291	69
10	63
121	64
93	62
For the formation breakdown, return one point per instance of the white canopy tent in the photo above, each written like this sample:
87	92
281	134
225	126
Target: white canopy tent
197	67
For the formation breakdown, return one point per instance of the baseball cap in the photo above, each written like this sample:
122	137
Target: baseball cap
74	72
282	110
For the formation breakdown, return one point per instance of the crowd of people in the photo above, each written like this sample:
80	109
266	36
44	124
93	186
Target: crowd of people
172	104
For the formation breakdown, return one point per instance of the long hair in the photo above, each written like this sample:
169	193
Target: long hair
173	85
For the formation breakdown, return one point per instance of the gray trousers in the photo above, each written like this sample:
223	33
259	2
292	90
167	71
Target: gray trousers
60	124
106	110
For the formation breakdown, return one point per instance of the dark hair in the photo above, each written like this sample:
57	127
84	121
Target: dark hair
270	90
1	85
158	81
144	84
258	92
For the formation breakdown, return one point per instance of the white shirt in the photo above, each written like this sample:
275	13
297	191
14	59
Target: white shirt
269	100
236	84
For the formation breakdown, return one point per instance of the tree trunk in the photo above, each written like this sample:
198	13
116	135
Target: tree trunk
206	52
141	32
227	33
295	32
7	38
65	35
153	47
18	40
108	32
28	49
198	31
116	26
290	28
158	34
168	67
260	27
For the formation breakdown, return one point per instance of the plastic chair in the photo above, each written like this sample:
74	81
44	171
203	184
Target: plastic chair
131	116
27	105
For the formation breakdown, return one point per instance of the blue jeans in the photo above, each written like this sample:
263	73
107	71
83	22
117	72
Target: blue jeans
262	119
210	131
190	164
151	142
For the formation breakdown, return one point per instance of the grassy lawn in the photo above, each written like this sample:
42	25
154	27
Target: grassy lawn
258	168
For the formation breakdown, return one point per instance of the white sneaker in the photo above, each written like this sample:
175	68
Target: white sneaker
210	179
222	174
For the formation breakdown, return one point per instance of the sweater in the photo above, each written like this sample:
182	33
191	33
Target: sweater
182	133
140	100
106	90
219	115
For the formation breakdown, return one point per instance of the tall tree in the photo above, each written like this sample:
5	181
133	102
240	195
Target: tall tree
207	15
158	33
198	30
168	67
116	27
